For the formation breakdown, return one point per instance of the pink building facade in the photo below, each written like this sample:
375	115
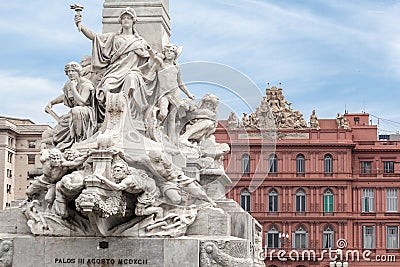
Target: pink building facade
319	186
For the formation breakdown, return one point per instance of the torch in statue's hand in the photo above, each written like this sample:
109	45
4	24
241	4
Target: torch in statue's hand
78	16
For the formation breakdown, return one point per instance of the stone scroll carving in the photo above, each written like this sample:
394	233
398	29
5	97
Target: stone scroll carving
224	254
6	253
116	163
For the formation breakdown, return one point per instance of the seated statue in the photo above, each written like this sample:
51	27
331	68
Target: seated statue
120	57
80	122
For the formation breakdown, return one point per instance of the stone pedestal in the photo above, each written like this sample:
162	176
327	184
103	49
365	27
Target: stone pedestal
31	251
153	19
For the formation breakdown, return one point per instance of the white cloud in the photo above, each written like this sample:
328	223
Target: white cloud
327	54
26	97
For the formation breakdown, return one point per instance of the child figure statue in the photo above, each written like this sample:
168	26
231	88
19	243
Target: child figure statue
170	81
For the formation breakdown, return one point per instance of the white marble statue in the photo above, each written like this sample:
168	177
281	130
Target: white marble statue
169	83
80	122
116	163
120	57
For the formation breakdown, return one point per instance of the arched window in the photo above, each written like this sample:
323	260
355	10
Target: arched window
245	164
273	163
300	238
328	239
273	201
328	201
300	164
272	238
245	199
328	168
300	200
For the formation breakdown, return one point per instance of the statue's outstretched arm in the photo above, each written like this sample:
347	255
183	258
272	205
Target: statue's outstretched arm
86	31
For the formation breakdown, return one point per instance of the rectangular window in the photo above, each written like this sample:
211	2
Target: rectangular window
388	166
31	159
32	144
273	164
300	203
300	240
10	141
328	165
8	189
246	164
368	237
10	157
327	240
273	240
367	200
300	165
391	200
272	203
366	166
328	203
245	200
392	237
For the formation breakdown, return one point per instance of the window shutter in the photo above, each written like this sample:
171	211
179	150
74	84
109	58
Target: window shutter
293	240
373	237
397	237
306	240
363	236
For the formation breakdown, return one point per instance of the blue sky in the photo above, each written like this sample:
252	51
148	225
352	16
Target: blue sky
327	55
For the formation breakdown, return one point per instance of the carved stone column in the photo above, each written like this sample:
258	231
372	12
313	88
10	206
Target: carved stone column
153	19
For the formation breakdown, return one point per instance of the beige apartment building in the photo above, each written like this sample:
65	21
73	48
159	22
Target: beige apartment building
19	157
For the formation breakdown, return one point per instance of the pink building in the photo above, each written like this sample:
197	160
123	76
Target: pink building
326	182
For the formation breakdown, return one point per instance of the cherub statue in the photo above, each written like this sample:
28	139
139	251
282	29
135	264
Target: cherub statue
170	81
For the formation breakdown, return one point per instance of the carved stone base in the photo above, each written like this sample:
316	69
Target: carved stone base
214	240
154	252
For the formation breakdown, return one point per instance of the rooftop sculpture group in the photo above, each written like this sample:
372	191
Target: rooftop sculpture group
115	164
274	108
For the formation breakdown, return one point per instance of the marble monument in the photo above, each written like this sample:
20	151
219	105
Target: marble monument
132	173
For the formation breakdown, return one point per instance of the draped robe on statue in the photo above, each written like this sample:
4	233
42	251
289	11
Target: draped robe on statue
79	123
122	58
